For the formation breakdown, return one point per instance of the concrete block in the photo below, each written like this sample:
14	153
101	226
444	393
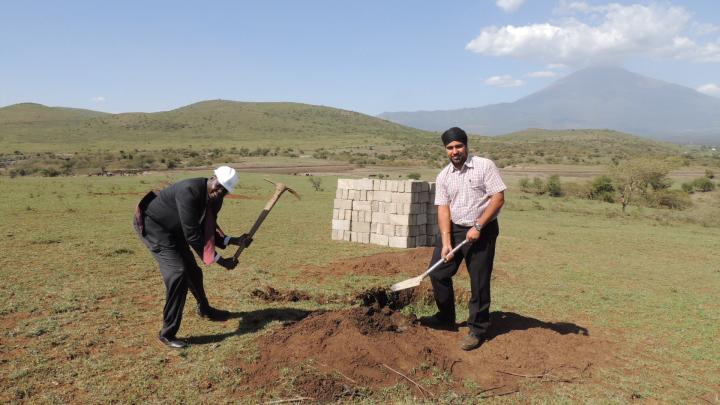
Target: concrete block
342	204
348	214
337	213
379	239
361	206
397	219
347	236
392	185
375	206
418	219
337	234
384	196
401	242
344	183
362	237
415	186
403	198
374	226
341	224
360	227
402	230
388	208
364	184
418	208
379	217
421	197
388	230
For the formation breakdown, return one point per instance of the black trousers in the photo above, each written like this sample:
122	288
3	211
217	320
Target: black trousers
179	271
479	259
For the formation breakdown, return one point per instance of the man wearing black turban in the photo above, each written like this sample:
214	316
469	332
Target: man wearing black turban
469	195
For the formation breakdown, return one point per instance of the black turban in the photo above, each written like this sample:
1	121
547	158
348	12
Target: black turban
454	134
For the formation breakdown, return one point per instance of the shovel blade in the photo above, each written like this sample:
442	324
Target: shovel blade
409	283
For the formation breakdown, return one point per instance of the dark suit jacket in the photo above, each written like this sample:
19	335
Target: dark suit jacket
175	216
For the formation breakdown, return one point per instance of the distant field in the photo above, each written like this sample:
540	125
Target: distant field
39	140
81	302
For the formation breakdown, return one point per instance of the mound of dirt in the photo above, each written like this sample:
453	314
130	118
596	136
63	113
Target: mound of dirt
367	347
270	294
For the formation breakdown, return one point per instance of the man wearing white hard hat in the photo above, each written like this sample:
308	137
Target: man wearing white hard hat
169	223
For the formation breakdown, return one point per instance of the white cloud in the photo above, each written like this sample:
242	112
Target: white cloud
509	6
711	89
98	99
503	81
541	74
603	33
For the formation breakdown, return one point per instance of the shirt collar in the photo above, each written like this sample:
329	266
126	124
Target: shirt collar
468	163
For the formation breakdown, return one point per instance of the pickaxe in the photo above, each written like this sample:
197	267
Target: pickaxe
279	189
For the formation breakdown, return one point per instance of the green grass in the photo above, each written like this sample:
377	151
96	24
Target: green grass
49	141
81	299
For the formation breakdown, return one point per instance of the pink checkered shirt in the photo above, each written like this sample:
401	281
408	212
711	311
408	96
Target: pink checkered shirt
468	190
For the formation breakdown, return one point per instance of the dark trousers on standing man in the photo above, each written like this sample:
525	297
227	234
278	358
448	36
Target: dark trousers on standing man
179	271
479	259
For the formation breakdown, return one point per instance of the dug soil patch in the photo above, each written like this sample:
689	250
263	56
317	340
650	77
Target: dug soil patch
331	355
410	262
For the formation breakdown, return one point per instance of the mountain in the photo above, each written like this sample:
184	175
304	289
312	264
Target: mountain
597	97
34	127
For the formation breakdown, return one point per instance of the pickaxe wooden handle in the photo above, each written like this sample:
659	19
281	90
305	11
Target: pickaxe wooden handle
280	188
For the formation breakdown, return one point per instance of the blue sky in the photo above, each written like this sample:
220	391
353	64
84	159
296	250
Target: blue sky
369	56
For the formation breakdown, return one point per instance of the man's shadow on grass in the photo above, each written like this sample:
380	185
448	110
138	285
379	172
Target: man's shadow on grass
505	322
252	321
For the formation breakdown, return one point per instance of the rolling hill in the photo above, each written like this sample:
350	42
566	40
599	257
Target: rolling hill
599	97
33	127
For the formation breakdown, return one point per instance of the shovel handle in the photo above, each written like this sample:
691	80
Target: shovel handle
442	260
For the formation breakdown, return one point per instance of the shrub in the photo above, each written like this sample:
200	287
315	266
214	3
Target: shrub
673	199
553	186
524	184
538	186
413	176
703	184
603	189
687	187
709	174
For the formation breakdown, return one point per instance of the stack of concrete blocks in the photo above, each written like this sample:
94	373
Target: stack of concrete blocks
395	213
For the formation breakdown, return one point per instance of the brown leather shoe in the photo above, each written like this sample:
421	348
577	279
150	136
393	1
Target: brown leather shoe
471	341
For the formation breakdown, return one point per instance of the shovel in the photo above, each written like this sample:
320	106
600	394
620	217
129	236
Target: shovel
415	281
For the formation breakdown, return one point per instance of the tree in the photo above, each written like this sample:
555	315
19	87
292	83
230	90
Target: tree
633	177
316	183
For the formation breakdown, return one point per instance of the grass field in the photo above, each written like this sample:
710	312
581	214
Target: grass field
81	303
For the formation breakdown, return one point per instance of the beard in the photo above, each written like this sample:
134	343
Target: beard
458	160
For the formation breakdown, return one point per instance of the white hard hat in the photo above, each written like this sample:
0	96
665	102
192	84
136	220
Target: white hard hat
227	176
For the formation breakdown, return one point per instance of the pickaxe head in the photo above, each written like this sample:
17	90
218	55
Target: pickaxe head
282	188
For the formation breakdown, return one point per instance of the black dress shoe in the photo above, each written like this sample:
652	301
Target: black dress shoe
213	314
172	342
438	321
